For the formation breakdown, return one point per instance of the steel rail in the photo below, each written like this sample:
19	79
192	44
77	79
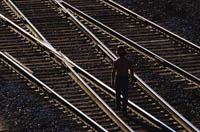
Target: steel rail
134	45
166	105
21	16
142	113
112	56
103	47
30	37
76	77
97	99
87	31
92	36
153	55
12	61
135	15
189	126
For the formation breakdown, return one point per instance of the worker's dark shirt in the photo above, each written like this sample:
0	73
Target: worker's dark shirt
121	67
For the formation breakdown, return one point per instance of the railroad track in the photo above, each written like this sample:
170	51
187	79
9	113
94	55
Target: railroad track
32	108
97	64
38	63
135	27
158	42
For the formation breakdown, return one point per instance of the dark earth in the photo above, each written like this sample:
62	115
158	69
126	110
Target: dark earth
22	111
178	16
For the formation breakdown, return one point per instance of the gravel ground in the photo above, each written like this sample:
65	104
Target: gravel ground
181	17
22	111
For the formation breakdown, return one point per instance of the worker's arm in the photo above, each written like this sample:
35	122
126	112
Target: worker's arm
131	72
113	74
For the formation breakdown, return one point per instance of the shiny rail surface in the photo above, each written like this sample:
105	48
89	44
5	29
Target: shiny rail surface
54	99
144	32
60	44
181	88
50	73
101	115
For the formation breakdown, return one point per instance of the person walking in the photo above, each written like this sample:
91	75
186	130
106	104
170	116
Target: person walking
120	78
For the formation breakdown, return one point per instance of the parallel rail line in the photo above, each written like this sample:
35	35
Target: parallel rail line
41	62
26	78
106	13
23	33
99	66
25	67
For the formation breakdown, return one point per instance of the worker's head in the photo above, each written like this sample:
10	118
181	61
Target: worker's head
121	50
